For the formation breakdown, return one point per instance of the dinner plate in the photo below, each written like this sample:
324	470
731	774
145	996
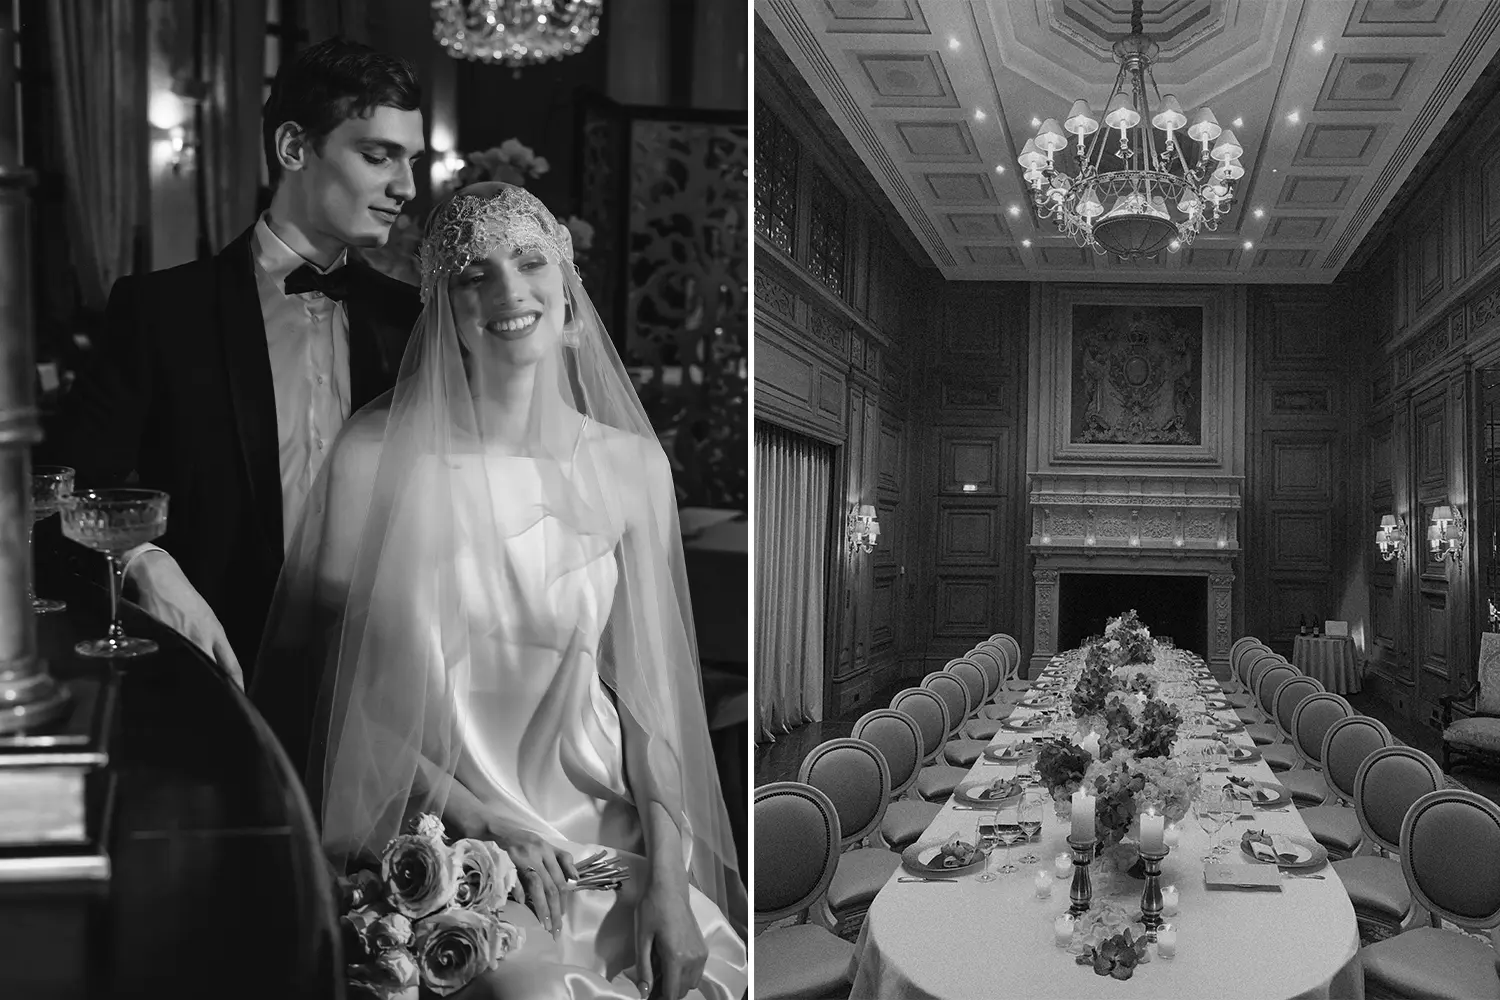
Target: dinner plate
918	859
1317	854
1009	754
1229	728
1030	725
1044	702
1243	754
1282	795
1218	705
979	795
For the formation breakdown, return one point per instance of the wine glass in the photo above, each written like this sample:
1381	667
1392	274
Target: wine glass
1008	833
1029	819
51	485
113	522
986	838
1213	809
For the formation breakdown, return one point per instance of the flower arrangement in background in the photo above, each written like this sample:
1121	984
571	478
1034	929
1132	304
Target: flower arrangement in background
430	917
1133	637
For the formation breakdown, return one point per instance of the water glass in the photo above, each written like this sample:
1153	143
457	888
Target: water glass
114	522
987	838
51	485
1029	819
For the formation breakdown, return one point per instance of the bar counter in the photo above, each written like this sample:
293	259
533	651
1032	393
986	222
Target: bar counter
218	887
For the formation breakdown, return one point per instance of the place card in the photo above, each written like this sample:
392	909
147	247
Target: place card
1250	878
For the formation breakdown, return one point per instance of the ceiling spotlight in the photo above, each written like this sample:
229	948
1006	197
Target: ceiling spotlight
1249	245
999	168
979	114
1318	45
1238	123
1015	210
953	44
1294	117
1260	213
1026	243
1036	123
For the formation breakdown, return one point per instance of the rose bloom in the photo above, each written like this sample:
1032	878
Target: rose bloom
431	827
379	931
389	976
486	875
419	875
456	945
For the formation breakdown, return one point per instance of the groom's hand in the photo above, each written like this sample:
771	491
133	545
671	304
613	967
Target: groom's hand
163	592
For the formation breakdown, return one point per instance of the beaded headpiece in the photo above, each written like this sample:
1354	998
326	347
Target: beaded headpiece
468	227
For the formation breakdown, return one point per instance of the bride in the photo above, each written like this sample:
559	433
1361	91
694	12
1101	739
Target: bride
484	615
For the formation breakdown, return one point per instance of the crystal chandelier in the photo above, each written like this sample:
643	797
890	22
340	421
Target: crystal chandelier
514	33
1131	197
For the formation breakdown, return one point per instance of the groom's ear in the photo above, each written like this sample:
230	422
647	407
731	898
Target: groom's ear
291	146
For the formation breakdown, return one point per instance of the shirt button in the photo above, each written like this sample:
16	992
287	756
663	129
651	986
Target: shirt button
321	380
320	444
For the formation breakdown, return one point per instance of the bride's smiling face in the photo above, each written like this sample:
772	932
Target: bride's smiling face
509	306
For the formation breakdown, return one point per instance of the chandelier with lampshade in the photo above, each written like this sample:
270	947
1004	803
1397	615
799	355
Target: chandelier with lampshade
514	33
1120	189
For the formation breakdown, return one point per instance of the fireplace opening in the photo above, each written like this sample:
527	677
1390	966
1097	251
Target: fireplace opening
1173	606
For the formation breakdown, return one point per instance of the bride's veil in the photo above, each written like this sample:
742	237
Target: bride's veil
376	652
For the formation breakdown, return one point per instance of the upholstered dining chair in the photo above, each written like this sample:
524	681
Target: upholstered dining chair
1476	733
1450	839
1258	665
1244	649
1266	733
854	776
1283	756
1310	722
1388	782
1014	683
976	726
1346	746
937	778
897	736
797	825
960	750
992	662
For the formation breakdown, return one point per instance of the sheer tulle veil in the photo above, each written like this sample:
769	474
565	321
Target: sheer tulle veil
373	655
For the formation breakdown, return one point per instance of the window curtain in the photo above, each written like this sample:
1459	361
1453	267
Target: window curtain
793	484
99	62
232	35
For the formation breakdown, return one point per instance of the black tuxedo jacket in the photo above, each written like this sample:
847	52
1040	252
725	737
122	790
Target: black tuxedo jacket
179	394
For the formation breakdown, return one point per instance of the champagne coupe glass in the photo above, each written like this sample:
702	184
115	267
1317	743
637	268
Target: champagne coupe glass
987	838
113	522
1029	819
51	485
1009	833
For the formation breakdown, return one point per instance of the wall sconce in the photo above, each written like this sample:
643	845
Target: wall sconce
183	151
864	530
1445	535
174	142
1390	537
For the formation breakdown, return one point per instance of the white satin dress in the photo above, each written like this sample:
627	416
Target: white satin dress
543	749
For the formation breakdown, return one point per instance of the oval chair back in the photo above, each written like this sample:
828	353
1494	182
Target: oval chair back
1012	649
1346	746
854	776
1288	696
1240	645
931	716
1270	679
949	688
996	637
1310	724
899	740
798	826
969	672
1388	782
1247	656
1449	842
999	652
1258	666
993	666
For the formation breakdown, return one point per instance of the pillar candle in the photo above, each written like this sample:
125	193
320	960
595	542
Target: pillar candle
1083	816
1062	931
1166	940
1169	901
1152	825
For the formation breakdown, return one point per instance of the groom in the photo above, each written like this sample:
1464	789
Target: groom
224	381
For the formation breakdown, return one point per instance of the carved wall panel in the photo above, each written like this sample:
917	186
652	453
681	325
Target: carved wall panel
1301	540
1300	469
1431	450
966	606
1385	621
1137	375
968	534
1434	634
966	460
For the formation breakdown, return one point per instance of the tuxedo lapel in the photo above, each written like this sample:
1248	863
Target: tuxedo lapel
250	386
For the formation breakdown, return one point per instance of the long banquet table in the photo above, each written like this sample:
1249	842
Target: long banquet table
976	939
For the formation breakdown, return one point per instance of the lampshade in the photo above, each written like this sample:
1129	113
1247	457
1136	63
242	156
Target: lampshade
1121	113
1231	170
866	510
1050	138
1170	116
1227	148
1387	522
1205	127
1189	201
1032	158
1443	513
1089	205
1081	120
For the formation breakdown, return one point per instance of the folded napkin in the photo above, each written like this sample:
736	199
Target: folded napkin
954	854
1274	848
1000	788
1244	788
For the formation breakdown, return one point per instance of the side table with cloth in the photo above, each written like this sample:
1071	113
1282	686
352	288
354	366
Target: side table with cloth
970	938
1330	659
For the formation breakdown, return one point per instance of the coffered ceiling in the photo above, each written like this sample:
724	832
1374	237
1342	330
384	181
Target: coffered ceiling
1334	102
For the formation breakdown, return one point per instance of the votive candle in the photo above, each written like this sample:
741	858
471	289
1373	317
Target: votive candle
1043	883
1152	825
1063	865
1171	836
1166	940
1083	816
1170	900
1062	930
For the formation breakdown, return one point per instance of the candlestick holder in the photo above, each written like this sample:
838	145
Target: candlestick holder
1082	893
1151	894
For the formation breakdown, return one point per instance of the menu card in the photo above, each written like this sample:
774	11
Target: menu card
1252	878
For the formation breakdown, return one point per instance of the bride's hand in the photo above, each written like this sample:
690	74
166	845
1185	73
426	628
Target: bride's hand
542	870
666	931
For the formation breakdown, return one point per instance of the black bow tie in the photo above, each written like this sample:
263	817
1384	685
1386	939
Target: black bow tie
334	284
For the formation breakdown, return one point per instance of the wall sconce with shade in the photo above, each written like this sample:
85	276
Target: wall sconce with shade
174	140
1391	537
864	529
1445	534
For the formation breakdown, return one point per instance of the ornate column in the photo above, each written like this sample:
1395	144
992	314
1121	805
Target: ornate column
28	695
1044	634
1220	619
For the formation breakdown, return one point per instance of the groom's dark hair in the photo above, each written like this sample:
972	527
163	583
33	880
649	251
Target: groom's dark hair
329	83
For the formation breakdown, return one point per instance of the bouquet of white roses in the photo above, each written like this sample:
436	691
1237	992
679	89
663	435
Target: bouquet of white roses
430	916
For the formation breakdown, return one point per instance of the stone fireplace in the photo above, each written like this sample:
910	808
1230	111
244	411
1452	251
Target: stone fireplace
1176	603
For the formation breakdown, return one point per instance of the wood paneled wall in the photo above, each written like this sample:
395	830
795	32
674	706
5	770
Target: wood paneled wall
1429	315
1298	531
834	295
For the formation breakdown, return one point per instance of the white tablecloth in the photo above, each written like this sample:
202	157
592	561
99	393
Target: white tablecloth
995	940
1330	659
